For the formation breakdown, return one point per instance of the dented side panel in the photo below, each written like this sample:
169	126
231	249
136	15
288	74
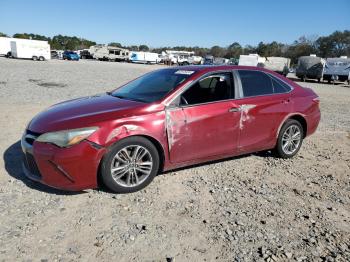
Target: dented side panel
201	131
260	118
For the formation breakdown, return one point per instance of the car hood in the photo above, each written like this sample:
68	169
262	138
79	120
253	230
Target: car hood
82	112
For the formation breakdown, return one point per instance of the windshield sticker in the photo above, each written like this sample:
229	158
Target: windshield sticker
184	72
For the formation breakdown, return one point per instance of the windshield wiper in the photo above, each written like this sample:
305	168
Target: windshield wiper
127	98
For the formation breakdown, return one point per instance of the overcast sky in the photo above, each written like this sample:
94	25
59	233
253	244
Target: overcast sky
169	23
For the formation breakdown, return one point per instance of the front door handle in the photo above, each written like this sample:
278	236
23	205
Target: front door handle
234	109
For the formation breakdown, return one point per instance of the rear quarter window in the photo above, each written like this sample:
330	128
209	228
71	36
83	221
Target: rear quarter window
279	86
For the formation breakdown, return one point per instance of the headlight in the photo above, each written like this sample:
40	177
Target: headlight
67	138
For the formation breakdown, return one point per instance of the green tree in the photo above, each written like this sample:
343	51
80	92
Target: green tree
217	51
3	34
31	36
334	45
115	44
143	48
234	50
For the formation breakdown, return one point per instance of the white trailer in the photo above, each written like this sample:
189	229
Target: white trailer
144	57
250	60
277	64
30	49
5	45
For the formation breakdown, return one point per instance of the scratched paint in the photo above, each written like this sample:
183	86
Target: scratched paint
245	117
175	122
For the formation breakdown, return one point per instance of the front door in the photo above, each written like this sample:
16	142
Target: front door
206	121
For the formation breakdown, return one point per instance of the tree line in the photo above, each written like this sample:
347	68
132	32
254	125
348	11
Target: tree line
334	45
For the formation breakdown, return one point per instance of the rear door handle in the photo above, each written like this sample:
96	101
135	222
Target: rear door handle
286	101
234	109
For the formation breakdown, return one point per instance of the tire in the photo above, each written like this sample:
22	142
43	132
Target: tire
281	149
41	58
121	156
35	58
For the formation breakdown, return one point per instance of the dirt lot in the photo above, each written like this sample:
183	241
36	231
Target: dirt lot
254	207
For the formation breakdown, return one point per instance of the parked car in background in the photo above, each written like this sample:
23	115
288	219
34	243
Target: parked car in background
337	69
310	67
195	60
167	119
211	60
85	54
70	55
57	54
173	57
30	49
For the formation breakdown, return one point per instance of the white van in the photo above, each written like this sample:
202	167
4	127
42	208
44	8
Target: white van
144	57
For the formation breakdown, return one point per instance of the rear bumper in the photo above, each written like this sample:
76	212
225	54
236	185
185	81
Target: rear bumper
72	169
312	122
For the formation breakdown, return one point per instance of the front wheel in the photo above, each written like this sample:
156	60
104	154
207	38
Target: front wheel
290	139
130	165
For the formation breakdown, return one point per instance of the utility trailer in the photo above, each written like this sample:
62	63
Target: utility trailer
5	46
30	49
109	53
337	69
251	60
310	67
277	64
144	57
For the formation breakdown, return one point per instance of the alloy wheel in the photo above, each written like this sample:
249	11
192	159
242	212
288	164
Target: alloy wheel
131	166
291	139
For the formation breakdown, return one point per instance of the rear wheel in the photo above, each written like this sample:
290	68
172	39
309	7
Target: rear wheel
41	58
35	58
290	139
130	165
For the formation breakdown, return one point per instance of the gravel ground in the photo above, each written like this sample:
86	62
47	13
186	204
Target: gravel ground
253	207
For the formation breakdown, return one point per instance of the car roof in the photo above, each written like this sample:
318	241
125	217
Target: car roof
212	68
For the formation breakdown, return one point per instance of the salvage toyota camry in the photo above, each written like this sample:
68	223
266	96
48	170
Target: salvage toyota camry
167	119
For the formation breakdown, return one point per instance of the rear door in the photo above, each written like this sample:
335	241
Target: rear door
206	121
264	103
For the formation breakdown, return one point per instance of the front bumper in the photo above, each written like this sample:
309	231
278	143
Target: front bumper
74	168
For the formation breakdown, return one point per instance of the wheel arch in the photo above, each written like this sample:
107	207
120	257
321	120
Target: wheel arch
153	140
302	121
298	117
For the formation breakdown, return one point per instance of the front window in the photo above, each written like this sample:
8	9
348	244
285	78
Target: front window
153	86
216	87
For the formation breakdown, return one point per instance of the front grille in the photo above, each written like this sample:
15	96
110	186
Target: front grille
31	136
31	165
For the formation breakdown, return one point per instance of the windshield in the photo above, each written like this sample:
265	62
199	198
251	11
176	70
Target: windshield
153	86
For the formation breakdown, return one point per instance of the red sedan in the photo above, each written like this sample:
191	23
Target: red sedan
167	119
